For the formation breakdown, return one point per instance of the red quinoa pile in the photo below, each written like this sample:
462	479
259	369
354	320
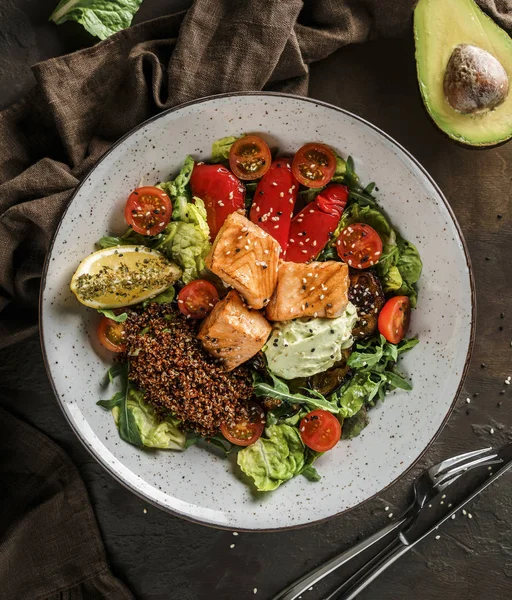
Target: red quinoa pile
168	362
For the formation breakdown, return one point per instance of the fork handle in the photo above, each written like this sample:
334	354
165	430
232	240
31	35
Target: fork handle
301	585
369	572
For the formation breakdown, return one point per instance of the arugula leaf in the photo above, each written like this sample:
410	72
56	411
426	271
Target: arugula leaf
250	189
116	370
310	473
100	18
375	362
353	426
307	195
281	391
130	238
110	314
308	470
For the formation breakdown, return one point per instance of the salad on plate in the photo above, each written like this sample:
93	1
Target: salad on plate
257	303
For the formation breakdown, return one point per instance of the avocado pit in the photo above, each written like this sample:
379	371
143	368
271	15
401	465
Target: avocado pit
474	81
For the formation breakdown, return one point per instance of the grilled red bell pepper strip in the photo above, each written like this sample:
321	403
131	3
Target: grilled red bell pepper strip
312	228
221	192
274	201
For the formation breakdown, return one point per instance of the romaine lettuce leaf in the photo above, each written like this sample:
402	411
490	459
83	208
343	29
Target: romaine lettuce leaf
136	421
274	459
187	241
100	18
221	148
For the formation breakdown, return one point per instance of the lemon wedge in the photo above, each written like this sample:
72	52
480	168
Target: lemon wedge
122	276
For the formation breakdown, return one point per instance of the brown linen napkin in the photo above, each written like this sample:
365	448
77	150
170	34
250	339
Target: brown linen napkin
82	104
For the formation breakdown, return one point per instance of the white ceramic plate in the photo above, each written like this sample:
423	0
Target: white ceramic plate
197	484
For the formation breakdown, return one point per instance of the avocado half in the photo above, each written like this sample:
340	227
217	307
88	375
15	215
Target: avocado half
440	26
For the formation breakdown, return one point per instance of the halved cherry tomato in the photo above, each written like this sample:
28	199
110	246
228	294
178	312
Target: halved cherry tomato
148	210
221	192
274	201
359	245
394	319
250	157
246	432
311	229
320	430
197	299
314	165
111	335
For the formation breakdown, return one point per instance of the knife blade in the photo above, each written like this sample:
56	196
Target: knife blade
409	536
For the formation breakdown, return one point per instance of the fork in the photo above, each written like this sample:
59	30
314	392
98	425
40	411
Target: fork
430	483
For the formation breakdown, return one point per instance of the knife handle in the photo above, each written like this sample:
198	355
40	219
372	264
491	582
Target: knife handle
370	571
298	587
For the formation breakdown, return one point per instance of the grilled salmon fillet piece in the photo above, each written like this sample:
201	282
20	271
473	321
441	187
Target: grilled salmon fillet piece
245	257
232	332
317	289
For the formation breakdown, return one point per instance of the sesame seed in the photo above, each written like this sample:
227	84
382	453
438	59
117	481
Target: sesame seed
464	512
468	400
438	537
257	209
322	296
453	516
288	166
276	226
311	288
304	251
491	431
386	508
265	251
291	201
255	591
145	511
244	228
274	183
470	516
232	546
220	203
231	195
311	210
390	515
281	194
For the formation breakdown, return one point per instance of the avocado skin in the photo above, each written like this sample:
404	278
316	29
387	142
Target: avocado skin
439	27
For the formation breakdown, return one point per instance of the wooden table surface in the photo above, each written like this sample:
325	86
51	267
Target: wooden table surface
164	558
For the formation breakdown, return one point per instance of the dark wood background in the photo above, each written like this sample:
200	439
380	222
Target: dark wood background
164	558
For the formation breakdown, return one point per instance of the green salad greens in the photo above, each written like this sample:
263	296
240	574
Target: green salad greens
307	364
100	18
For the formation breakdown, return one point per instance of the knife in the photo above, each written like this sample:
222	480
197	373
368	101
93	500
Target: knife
409	536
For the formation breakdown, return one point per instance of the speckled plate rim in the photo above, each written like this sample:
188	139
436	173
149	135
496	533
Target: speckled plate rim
441	196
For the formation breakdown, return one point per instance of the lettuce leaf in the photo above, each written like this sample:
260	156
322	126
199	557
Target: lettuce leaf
274	459
137	421
100	18
221	148
187	240
178	189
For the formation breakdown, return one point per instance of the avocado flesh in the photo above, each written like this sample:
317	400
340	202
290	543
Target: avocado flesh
439	27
